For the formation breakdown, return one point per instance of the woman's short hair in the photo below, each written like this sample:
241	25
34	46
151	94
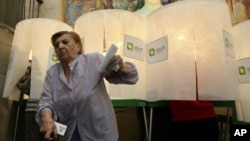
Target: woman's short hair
73	34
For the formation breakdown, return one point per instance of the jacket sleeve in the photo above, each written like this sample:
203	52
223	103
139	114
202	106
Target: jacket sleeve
46	100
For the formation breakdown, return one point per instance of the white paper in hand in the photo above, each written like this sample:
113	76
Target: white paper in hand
61	128
111	52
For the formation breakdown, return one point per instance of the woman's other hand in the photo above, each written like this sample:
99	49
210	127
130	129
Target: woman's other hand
48	127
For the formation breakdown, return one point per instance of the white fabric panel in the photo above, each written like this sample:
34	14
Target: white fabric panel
90	27
173	78
244	103
200	24
241	34
117	24
194	30
32	34
217	77
19	57
239	113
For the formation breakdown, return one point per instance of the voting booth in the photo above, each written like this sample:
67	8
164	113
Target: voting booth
241	42
174	55
31	42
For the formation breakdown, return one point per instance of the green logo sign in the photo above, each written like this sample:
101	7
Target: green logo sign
54	58
227	43
151	52
130	46
242	70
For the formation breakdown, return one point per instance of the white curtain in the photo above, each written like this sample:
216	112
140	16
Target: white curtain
241	42
32	34
197	51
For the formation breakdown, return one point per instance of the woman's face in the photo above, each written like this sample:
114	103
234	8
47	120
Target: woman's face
66	48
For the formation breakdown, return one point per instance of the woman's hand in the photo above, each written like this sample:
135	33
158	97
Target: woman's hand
123	67
117	67
48	127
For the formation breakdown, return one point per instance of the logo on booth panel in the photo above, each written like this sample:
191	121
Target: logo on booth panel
130	46
242	70
152	52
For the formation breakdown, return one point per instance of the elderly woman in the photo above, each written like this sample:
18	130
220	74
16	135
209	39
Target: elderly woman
74	93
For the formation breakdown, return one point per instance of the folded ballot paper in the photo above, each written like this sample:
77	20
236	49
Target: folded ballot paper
61	128
111	52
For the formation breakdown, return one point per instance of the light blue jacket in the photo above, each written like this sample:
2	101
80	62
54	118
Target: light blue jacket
83	101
